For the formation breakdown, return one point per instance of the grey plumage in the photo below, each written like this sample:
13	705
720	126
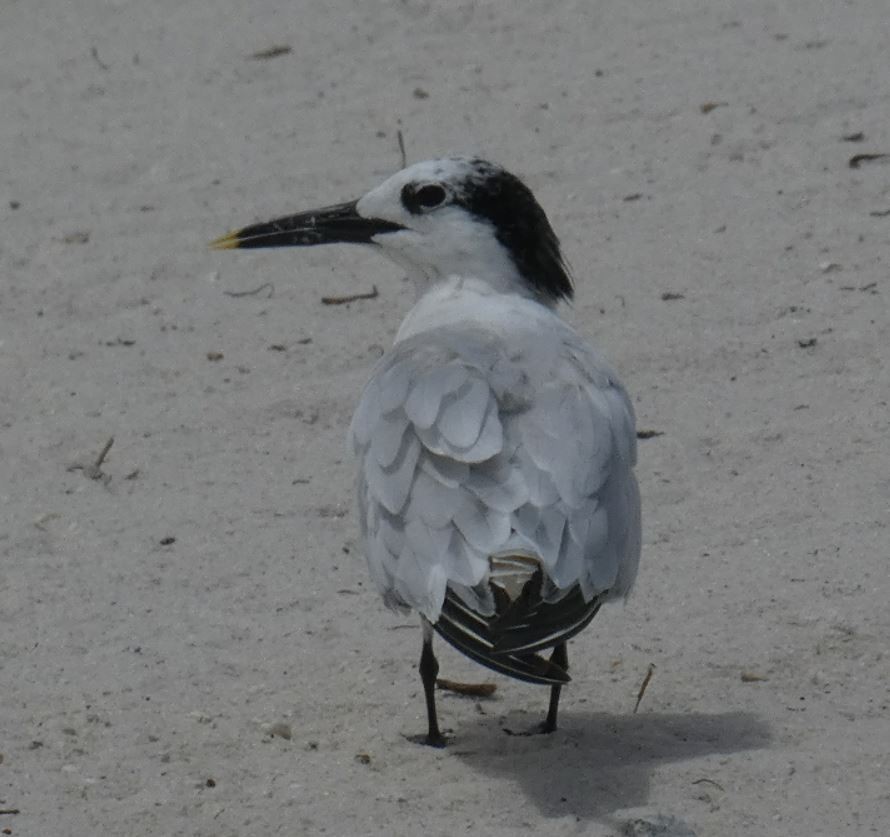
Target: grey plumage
471	445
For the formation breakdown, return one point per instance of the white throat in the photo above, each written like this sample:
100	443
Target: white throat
497	273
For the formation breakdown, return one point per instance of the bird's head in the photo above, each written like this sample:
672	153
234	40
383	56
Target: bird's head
439	218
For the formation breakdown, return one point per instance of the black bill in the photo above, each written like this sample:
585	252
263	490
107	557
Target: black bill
330	225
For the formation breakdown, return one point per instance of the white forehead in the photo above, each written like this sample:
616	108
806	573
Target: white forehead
445	169
382	200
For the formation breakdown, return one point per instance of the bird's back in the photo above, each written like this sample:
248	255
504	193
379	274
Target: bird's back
496	489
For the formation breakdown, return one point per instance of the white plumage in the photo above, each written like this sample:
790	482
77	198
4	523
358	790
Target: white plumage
496	448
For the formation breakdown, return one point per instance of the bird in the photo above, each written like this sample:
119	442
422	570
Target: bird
496	447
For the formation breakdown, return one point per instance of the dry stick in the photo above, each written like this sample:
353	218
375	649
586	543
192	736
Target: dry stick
272	52
858	159
10	811
710	782
103	453
94	471
468	689
644	686
342	300
262	287
401	140
95	53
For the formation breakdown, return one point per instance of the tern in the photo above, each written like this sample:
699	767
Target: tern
496	447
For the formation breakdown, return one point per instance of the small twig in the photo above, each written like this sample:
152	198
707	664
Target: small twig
271	52
94	469
710	782
264	286
467	689
858	159
649	434
644	686
401	139
103	453
95	53
342	300
10	811
752	677
41	521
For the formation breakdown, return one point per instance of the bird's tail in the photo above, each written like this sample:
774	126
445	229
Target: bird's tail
522	624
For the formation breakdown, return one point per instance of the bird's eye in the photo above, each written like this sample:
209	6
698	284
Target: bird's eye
426	197
430	196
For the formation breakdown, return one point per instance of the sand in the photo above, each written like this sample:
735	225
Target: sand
189	643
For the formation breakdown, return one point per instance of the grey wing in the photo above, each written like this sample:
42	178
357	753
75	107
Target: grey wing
463	457
606	526
424	420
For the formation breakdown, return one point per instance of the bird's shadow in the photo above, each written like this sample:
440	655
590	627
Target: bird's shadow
598	763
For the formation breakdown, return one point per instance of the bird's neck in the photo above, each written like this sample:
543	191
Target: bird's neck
490	266
464	300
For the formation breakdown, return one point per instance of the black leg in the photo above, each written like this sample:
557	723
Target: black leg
429	669
560	657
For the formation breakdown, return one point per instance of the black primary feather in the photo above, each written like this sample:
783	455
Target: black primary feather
508	641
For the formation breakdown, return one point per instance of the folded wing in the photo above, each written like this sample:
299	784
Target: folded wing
497	497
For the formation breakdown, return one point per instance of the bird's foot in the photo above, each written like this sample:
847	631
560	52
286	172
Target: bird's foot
431	739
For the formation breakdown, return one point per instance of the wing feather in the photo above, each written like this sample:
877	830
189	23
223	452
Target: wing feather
433	502
388	438
425	398
391	486
462	420
498	483
484	528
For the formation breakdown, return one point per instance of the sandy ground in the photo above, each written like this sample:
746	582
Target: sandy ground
189	644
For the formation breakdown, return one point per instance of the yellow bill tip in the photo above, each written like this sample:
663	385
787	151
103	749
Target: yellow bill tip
229	241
